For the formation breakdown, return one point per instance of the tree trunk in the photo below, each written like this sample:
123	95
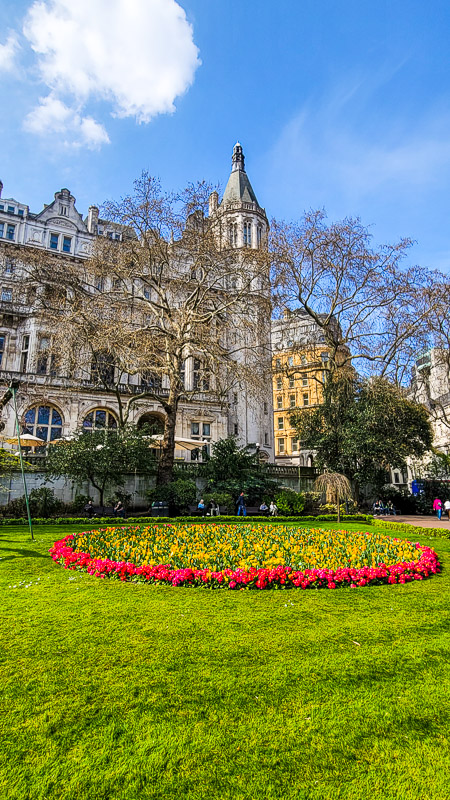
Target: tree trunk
338	507
166	458
100	490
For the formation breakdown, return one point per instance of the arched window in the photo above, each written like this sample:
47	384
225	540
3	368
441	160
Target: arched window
153	423
99	419
45	422
310	461
247	234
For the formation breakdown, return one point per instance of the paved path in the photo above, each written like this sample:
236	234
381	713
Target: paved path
422	522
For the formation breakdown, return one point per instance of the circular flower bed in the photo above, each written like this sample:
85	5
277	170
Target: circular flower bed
245	556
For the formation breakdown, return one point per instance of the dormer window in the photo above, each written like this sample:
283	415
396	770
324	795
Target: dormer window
63	210
247	234
54	238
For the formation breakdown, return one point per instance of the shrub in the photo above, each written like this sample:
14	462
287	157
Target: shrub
289	502
43	503
179	494
223	499
401	499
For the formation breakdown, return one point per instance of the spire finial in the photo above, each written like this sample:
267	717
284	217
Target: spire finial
238	158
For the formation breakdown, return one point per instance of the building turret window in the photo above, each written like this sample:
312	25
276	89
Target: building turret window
232	234
259	235
247	234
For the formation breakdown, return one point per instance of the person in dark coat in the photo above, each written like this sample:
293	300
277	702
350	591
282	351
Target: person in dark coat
241	505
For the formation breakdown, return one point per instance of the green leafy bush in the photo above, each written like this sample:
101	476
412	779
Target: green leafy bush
179	494
289	502
224	500
43	503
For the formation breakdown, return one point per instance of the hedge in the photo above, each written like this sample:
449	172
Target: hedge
368	519
416	530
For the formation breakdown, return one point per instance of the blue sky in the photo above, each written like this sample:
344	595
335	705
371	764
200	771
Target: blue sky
338	104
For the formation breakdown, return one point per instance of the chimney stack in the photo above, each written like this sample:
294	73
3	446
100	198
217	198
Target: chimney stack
213	203
92	223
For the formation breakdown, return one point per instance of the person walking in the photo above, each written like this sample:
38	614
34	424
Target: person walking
447	508
241	505
437	507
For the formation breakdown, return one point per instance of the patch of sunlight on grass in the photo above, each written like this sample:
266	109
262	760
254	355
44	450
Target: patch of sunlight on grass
117	691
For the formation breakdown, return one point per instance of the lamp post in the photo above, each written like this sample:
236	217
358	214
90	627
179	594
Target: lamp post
14	385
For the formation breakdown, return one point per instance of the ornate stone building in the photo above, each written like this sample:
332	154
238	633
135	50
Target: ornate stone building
51	403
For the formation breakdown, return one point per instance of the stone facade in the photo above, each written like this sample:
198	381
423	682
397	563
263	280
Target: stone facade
430	386
50	404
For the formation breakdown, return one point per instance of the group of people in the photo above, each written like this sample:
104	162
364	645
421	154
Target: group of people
212	509
380	508
439	507
119	509
269	510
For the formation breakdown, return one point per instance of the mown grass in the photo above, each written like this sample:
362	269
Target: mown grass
125	691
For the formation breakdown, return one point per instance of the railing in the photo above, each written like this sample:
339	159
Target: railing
42	379
12	307
291	471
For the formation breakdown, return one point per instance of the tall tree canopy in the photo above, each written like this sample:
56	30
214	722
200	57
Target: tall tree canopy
363	428
368	308
102	457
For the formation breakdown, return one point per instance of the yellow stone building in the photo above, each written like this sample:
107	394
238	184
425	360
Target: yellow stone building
299	365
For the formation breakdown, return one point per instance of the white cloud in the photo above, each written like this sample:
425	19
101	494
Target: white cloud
72	130
8	52
336	152
137	55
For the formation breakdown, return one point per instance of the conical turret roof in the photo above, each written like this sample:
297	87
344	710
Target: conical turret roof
238	188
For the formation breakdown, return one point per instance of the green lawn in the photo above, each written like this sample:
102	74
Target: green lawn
126	691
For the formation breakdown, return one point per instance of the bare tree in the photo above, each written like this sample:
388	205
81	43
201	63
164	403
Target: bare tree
368	310
165	288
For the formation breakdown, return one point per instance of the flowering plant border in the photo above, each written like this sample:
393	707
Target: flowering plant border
279	577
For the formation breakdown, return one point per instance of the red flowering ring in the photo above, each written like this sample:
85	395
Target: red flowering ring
280	577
